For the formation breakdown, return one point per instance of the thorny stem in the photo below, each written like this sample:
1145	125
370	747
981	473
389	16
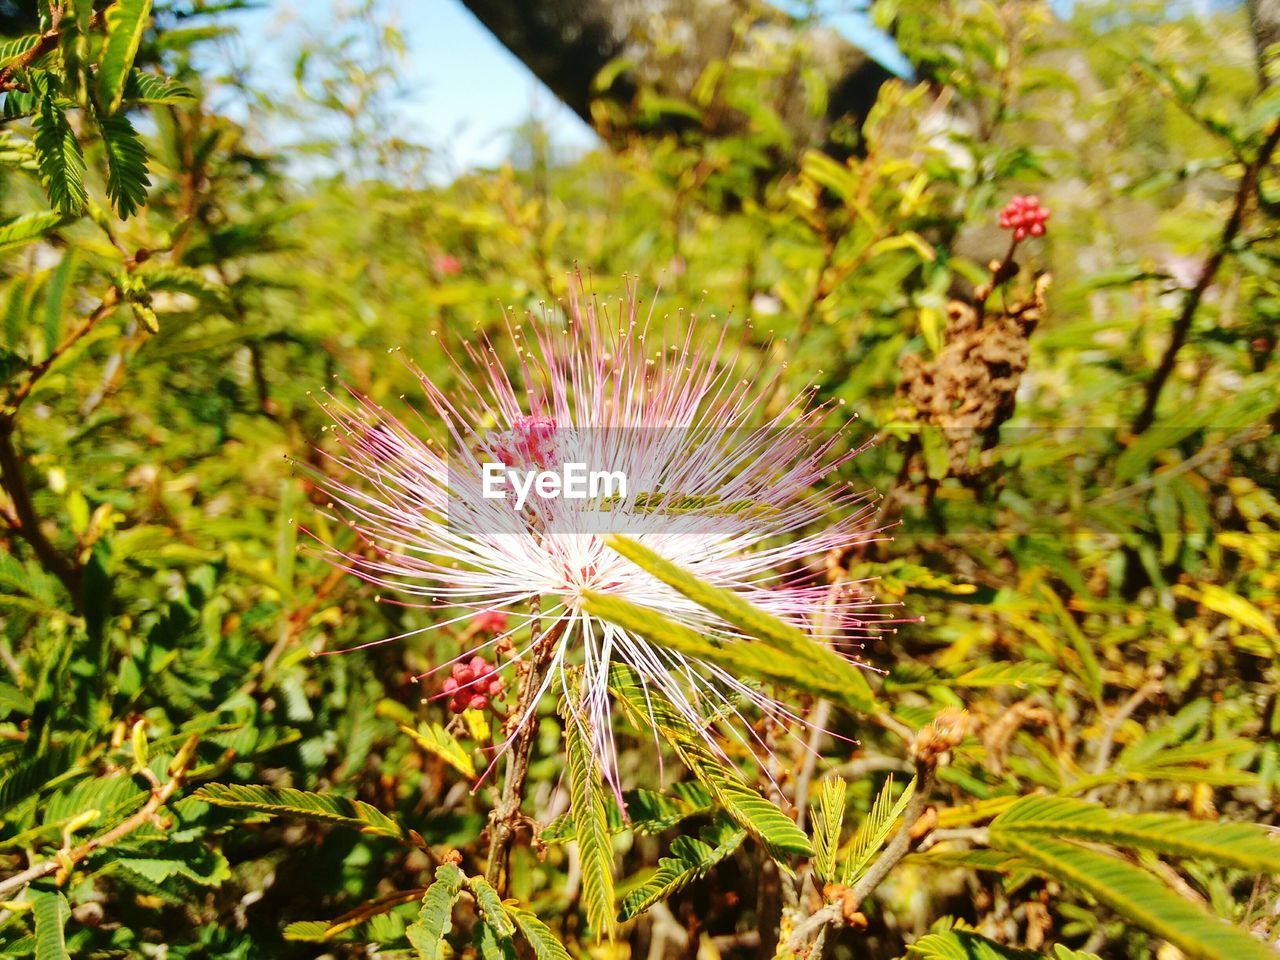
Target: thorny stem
160	794
504	818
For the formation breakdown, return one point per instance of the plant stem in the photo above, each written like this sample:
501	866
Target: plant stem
504	818
28	521
1245	190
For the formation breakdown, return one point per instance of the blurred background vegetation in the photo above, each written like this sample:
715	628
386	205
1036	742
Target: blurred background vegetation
1086	487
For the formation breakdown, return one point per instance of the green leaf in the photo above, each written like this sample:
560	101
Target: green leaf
588	804
490	944
50	911
743	658
31	226
759	817
1136	896
874	830
439	742
541	940
817	659
285	801
690	860
194	862
127	180
427	933
490	905
11	50
964	945
648	811
828	818
126	22
1234	844
60	158
143	87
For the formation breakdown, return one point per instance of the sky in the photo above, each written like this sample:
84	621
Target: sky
467	91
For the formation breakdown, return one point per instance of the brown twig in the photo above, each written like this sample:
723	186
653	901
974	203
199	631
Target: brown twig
1245	190
17	395
504	818
160	794
27	523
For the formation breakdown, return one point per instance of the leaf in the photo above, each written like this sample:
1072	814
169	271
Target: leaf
964	945
647	811
541	940
284	801
490	905
143	87
50	911
588	806
788	639
11	50
1239	845
194	862
490	944
427	933
126	22
758	816
828	818
60	159
127	180
439	742
874	830
1136	896
28	227
690	860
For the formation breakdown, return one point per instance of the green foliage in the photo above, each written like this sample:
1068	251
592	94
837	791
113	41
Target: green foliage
126	22
689	860
427	933
588	803
300	803
1098	596
1139	897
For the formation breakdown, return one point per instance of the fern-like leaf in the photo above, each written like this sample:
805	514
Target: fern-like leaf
1137	896
126	22
143	87
1240	845
588	804
439	742
59	157
127	180
541	940
427	933
50	911
874	830
300	803
690	860
828	818
758	816
27	228
820	660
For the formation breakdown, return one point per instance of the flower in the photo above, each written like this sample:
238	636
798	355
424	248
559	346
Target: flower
726	476
1025	217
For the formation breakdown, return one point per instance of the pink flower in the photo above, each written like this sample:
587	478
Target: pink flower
740	489
1025	217
446	264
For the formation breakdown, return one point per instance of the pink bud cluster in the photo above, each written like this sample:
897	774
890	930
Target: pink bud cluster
531	442
1025	217
473	685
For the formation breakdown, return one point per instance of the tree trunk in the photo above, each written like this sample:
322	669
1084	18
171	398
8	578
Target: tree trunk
664	46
